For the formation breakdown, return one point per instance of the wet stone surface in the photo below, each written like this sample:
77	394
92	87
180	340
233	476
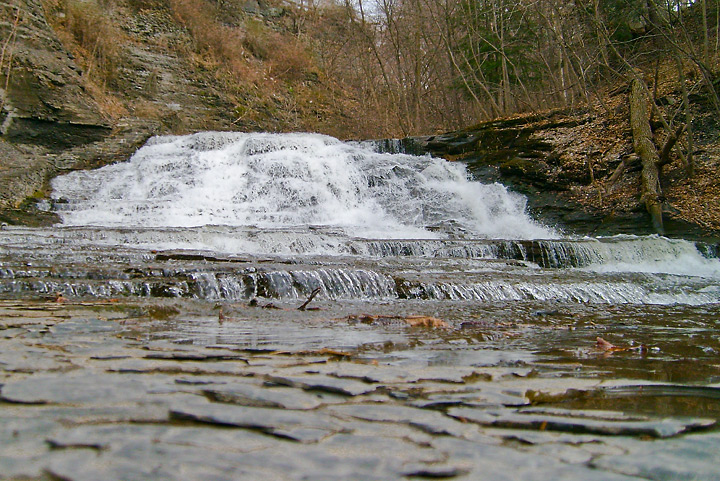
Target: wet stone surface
101	390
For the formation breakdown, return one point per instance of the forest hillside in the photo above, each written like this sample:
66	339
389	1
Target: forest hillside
85	82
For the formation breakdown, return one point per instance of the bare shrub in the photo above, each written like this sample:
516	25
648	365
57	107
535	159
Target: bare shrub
290	60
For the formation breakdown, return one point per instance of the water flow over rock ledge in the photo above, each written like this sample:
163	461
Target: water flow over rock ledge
241	216
154	291
280	181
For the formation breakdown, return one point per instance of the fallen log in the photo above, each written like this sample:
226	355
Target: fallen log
651	192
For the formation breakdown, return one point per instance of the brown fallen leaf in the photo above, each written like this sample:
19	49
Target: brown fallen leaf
426	321
606	346
412	321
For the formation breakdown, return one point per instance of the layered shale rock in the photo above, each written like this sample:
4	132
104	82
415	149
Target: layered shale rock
44	106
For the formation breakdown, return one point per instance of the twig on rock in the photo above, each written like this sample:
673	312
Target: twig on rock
309	299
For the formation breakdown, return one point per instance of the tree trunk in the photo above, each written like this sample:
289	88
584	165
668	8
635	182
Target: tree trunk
646	150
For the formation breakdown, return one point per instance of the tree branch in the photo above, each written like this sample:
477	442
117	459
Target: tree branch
669	144
309	299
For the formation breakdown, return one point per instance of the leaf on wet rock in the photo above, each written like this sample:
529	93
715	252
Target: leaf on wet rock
604	345
608	347
426	321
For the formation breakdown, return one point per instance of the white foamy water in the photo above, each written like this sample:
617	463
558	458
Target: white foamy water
651	254
307	194
285	180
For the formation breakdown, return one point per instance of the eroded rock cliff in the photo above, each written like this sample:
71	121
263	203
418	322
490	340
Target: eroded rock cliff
45	108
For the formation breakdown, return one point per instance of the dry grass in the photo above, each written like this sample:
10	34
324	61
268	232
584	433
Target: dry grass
86	26
110	106
251	51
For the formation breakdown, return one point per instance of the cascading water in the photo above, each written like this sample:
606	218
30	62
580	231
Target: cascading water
238	216
279	181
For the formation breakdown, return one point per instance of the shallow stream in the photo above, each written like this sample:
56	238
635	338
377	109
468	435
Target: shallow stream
228	218
214	240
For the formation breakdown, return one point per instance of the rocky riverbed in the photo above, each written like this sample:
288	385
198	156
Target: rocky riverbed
121	390
188	322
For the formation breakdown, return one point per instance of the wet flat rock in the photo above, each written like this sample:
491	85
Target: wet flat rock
88	405
432	422
194	356
144	460
299	426
357	456
367	373
599	422
174	366
485	395
685	458
17	356
487	461
113	436
44	389
266	397
22	443
346	387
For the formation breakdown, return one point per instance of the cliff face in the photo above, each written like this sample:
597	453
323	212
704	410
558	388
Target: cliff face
44	105
45	102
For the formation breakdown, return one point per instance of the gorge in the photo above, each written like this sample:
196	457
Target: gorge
184	295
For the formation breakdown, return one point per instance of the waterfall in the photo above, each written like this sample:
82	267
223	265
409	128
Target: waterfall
234	216
279	181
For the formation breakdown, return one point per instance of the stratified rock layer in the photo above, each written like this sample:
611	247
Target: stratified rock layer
45	102
44	107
